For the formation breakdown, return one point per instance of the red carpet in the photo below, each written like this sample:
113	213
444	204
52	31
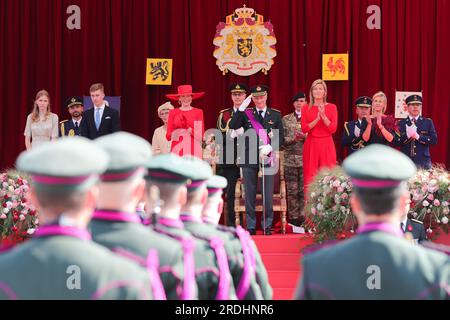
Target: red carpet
281	256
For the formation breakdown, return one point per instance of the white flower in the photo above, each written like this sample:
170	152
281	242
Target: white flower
5	210
9	204
444	220
425	203
11	188
446	210
22	217
313	194
429	230
343	209
31	230
414	214
5	184
36	221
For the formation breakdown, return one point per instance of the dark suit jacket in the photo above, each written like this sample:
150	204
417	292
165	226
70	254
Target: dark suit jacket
417	230
110	123
348	136
250	150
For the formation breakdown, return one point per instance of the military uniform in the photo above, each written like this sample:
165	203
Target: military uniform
228	152
377	263
60	261
415	228
418	150
293	163
349	138
199	258
70	128
248	155
123	230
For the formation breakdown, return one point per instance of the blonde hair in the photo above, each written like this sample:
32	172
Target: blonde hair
97	86
35	113
315	83
382	95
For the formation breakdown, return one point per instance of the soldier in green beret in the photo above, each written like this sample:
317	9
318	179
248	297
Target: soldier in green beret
167	172
377	263
61	261
115	223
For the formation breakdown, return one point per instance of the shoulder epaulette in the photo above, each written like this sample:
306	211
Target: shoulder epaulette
223	110
418	221
276	110
63	121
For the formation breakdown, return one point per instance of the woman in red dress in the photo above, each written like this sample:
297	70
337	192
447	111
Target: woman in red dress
319	122
185	126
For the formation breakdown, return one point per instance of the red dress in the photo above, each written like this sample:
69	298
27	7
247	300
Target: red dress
184	143
319	150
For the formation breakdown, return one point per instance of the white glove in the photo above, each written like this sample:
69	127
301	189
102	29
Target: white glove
245	103
411	131
233	134
357	131
236	133
265	149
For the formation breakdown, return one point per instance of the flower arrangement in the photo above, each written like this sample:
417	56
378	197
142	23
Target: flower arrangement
430	192
329	213
18	219
328	207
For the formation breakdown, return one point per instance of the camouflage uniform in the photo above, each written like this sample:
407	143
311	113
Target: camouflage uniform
293	166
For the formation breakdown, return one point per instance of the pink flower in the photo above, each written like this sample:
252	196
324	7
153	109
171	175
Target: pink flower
3	216
430	197
336	184
436	202
429	231
313	210
425	203
340	189
17	191
344	195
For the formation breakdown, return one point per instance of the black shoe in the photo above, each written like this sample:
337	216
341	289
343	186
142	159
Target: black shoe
252	232
268	232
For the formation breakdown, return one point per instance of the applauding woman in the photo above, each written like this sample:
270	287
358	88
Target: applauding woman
319	122
381	128
185	126
42	125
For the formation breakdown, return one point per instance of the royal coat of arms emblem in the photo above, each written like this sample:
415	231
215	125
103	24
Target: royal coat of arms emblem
245	44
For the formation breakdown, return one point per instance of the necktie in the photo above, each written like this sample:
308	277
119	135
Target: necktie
260	114
76	127
413	120
97	118
401	226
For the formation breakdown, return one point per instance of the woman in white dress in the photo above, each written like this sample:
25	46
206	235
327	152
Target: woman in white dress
42	125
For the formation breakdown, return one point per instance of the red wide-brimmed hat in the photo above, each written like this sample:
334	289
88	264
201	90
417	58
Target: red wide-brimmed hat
183	90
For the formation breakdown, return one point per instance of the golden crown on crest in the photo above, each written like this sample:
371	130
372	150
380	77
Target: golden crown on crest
244	12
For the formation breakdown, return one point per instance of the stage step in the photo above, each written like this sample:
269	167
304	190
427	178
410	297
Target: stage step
283	279
283	293
288	243
281	261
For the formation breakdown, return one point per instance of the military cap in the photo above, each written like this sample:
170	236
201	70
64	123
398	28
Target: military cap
378	166
216	184
66	164
128	155
165	106
166	167
238	87
363	101
73	101
197	170
259	90
299	95
415	98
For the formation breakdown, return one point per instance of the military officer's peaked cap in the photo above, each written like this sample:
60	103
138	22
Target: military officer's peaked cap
415	98
363	102
259	90
66	164
167	167
299	95
216	184
73	101
197	170
238	87
378	166
128	155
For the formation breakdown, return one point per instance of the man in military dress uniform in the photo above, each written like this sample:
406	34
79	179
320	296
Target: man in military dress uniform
253	267
263	135
417	133
378	262
61	261
227	158
414	229
353	130
72	127
115	223
167	172
293	159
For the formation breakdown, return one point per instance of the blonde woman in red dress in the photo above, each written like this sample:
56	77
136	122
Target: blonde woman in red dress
319	122
185	126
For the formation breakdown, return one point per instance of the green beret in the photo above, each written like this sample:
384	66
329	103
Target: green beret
128	154
166	167
66	164
378	166
197	170
216	183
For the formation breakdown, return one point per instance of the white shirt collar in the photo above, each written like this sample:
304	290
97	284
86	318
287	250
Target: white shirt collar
101	107
416	118
405	221
298	113
263	111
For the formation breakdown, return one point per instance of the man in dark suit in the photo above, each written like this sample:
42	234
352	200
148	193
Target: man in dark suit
417	133
378	262
353	130
100	120
72	127
227	161
263	135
